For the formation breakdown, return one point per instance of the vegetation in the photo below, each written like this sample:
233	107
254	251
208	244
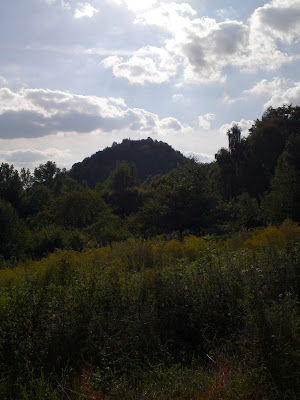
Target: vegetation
150	158
176	281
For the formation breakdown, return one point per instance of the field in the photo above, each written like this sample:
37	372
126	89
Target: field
163	318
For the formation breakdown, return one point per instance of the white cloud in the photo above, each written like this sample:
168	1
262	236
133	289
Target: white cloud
261	88
177	97
205	120
288	96
148	65
3	81
279	18
32	113
170	124
64	4
265	87
171	16
85	10
277	21
204	47
279	91
227	13
136	5
200	157
31	157
244	124
229	100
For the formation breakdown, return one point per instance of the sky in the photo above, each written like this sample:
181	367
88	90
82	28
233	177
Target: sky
77	76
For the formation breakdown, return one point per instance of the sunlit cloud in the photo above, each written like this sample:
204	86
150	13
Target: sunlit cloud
148	65
289	96
85	10
243	124
205	120
136	5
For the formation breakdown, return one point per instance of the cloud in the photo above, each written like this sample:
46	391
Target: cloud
33	155
3	81
33	113
204	47
201	46
177	97
275	23
170	124
279	91
85	10
148	65
64	4
31	158
244	124
205	120
200	157
227	13
230	100
265	87
280	18
136	5
288	96
261	88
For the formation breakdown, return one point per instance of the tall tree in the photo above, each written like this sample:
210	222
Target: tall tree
45	173
10	184
14	236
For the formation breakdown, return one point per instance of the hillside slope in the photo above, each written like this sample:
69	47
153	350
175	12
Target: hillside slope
149	156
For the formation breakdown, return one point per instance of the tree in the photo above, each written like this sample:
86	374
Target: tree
36	200
234	139
10	184
283	200
78	208
120	189
122	178
26	178
183	200
45	173
14	236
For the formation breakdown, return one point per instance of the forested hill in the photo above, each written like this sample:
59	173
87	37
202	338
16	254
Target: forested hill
150	158
256	181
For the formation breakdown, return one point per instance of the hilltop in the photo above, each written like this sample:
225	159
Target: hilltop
150	157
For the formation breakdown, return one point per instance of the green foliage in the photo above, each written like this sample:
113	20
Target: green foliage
109	314
45	173
36	200
251	162
108	228
149	156
182	201
46	239
10	184
155	319
120	189
14	236
78	208
283	200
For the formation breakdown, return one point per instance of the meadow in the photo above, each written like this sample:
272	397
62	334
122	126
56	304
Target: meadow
163	318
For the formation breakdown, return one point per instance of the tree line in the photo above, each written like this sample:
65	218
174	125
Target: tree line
255	181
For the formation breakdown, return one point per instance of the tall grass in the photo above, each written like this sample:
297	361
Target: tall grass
155	319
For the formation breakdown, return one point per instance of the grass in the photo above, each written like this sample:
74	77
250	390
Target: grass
155	319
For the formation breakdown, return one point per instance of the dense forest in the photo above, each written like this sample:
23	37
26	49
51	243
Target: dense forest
143	274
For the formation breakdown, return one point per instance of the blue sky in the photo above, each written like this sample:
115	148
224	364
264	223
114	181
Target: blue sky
76	76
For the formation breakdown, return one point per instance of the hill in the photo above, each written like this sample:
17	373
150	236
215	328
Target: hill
150	157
